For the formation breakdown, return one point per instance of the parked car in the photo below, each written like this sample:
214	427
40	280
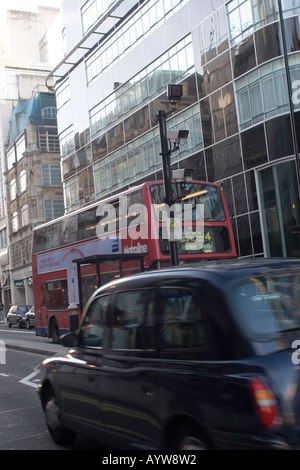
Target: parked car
30	318
16	315
193	357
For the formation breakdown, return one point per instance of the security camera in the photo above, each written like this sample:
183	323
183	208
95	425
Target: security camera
182	175
177	137
178	175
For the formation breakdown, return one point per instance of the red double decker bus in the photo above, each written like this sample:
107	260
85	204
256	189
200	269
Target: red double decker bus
135	223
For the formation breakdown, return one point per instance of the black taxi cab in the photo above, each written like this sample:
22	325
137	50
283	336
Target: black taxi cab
192	357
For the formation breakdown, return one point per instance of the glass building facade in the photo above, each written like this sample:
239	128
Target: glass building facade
239	64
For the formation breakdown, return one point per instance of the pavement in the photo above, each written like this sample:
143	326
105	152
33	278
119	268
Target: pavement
46	349
34	344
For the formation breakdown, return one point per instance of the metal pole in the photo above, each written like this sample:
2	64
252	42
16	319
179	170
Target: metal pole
289	85
165	153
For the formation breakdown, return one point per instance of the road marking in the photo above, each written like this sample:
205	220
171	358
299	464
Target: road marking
26	380
4	375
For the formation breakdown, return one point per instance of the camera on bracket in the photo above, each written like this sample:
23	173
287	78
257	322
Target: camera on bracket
182	175
177	137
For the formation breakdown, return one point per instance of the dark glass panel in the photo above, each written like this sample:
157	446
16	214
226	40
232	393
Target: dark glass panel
292	33
207	8
200	85
115	137
243	57
227	158
222	30
270	212
297	124
99	147
86	186
217	73
279	137
197	164
77	141
256	233
69	167
209	38
137	124
206	120
244	237
218	116
239	191
254	147
83	157
251	191
229	110
268	43
227	188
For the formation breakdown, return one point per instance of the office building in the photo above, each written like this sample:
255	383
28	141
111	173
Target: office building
28	53
239	64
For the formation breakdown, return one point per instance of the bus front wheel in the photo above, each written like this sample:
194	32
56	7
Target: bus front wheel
54	331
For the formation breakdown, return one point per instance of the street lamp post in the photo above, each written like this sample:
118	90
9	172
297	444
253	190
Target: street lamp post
166	154
174	93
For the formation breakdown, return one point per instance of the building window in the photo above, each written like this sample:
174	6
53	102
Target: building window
53	208
51	175
49	113
63	94
71	194
13	189
20	147
131	33
15	222
67	141
92	11
11	157
3	238
142	156
22	181
246	16
25	215
263	94
144	87
48	142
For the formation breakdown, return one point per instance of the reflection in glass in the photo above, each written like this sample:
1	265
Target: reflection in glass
292	34
239	190
268	43
246	16
254	147
243	57
256	233
263	93
244	235
279	137
280	209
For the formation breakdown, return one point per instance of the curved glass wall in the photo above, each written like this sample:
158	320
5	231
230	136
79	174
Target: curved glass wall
172	67
140	25
263	93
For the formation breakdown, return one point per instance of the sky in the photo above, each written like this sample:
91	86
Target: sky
29	5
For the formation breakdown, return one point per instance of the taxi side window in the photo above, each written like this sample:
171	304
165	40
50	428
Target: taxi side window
181	319
93	328
133	322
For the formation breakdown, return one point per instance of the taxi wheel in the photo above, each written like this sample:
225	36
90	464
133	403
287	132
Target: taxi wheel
58	432
190	438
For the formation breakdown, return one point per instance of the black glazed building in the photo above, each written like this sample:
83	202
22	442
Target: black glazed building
239	64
